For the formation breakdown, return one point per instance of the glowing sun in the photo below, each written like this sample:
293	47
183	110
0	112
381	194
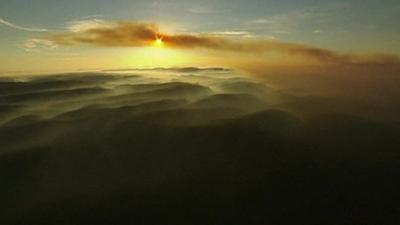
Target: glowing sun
158	42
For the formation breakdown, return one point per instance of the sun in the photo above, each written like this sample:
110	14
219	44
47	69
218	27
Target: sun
158	42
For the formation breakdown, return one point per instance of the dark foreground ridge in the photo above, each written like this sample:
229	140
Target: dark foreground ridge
93	149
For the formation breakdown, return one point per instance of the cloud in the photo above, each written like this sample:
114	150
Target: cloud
87	24
300	20
144	149
132	34
190	147
262	21
35	43
97	32
233	33
17	27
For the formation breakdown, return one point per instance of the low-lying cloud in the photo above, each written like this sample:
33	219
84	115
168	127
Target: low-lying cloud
123	146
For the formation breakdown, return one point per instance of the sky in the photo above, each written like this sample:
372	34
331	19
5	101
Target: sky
362	27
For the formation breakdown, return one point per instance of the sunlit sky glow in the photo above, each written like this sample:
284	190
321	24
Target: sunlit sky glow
362	26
